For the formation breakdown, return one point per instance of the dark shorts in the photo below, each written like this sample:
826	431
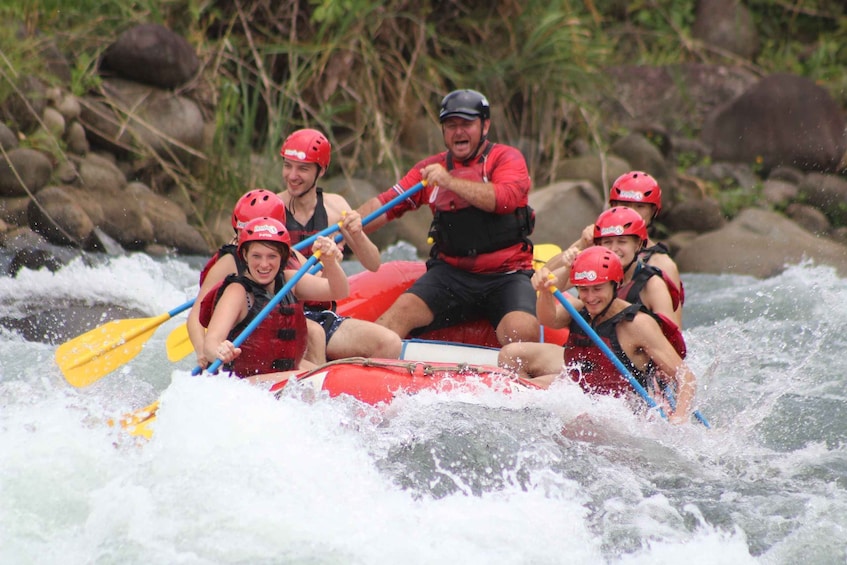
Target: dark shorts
456	296
328	320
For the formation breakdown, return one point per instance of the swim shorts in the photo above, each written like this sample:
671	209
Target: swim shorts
328	320
456	296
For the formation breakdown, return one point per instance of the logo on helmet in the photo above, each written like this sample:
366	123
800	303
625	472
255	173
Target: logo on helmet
300	155
265	228
611	231
585	276
631	194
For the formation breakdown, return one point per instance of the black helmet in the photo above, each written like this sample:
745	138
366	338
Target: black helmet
467	104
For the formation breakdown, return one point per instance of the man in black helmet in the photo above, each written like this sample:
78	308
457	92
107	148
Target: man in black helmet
481	259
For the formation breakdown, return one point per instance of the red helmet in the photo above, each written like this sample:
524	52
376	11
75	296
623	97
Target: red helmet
636	186
266	230
257	204
307	146
596	265
620	221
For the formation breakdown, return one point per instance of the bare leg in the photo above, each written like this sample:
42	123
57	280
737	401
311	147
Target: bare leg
530	359
518	326
316	343
357	338
407	313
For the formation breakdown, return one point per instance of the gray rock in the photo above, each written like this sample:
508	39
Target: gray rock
758	243
809	218
57	216
726	25
99	174
590	168
678	96
132	117
562	210
698	215
152	54
22	165
828	193
784	119
8	139
778	192
642	155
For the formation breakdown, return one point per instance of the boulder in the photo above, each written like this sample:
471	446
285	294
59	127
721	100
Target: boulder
758	243
24	171
151	54
677	96
591	169
57	214
562	210
697	215
726	25
826	192
783	119
133	117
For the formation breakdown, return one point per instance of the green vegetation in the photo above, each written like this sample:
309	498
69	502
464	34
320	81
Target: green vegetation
370	72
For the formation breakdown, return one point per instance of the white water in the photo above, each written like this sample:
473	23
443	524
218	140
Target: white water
234	476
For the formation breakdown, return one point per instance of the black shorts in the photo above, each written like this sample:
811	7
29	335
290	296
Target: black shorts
456	296
328	320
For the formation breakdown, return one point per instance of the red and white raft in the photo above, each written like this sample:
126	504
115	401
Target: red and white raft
460	357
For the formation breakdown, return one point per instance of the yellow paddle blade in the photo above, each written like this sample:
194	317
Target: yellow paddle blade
544	252
178	344
93	355
138	423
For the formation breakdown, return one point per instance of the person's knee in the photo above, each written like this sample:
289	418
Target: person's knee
517	327
389	345
407	312
509	355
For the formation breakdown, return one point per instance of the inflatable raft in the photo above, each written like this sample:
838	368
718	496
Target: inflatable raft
459	356
379	381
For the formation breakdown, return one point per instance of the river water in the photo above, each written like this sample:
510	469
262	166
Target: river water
234	476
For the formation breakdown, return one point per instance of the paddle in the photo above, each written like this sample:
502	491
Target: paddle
586	327
86	358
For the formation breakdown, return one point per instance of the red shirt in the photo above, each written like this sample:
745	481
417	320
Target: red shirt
505	170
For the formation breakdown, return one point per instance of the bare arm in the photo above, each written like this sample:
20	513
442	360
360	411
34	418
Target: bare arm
196	332
230	309
645	335
656	297
338	210
333	284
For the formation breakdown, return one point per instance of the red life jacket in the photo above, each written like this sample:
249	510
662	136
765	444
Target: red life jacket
461	230
588	366
277	344
631	292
